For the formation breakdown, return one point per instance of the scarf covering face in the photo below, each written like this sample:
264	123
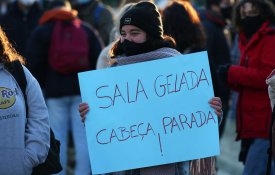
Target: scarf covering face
131	48
204	166
251	24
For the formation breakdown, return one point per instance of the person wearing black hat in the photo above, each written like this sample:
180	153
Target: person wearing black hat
142	39
144	19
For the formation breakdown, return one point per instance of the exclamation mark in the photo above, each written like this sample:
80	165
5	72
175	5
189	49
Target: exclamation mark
160	146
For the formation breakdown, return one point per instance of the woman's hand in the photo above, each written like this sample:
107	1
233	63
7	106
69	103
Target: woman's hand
216	103
83	109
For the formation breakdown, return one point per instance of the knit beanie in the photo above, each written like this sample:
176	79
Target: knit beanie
144	15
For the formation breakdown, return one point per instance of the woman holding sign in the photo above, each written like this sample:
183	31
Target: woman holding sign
142	40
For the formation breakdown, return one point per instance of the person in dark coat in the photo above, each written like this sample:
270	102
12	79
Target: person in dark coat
217	46
62	90
20	20
98	15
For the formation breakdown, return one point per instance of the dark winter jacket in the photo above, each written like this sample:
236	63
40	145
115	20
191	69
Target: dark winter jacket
217	47
54	83
19	25
256	63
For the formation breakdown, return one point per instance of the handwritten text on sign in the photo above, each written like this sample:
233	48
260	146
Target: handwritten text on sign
150	113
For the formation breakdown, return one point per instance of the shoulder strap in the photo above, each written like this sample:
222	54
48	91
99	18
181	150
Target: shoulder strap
16	69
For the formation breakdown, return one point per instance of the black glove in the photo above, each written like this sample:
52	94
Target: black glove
222	72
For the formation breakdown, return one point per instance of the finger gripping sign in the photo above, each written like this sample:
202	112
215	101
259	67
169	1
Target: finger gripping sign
150	113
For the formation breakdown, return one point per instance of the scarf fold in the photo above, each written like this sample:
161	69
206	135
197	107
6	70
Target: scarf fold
153	55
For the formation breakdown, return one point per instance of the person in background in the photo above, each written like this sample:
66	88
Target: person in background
255	22
4	6
62	89
96	14
217	47
24	137
189	33
141	41
182	22
233	38
19	21
226	9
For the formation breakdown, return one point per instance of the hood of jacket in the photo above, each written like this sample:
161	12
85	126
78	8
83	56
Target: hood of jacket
57	14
